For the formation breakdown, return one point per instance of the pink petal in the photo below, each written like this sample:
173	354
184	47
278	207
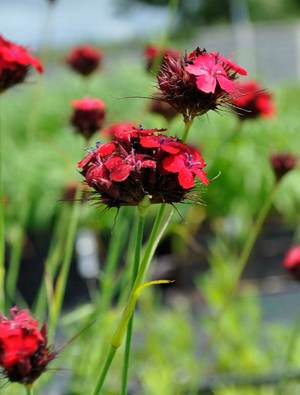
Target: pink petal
186	178
206	83
226	84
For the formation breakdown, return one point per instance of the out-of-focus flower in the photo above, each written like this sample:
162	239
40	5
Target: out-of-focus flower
252	101
24	352
283	163
15	64
292	261
88	116
154	55
119	130
198	82
85	60
162	108
142	162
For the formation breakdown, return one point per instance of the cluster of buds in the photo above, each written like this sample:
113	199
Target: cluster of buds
15	64
198	82
88	116
85	60
24	352
251	101
154	56
282	164
141	163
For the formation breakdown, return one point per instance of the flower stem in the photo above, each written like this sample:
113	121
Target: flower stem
291	347
2	223
188	123
29	390
135	268
159	227
63	275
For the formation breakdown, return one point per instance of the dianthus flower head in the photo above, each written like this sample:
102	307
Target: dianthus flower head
282	163
163	108
85	59
198	82
143	163
15	64
251	101
24	352
154	55
292	261
88	116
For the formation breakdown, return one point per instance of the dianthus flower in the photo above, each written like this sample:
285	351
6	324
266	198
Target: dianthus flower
24	352
143	162
252	101
119	130
15	64
85	60
163	108
282	164
198	82
88	116
292	261
154	55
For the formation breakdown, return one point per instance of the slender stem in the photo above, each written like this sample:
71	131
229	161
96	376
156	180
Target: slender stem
29	390
2	222
63	275
188	124
291	347
135	268
159	227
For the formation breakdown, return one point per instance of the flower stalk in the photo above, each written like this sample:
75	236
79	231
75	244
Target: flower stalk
2	221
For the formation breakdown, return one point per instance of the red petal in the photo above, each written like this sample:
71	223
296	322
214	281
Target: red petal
225	83
206	83
120	173
201	175
174	164
186	178
150	141
106	149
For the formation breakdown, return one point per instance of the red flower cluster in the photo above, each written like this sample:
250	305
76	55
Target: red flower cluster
154	55
292	261
24	353
198	82
252	101
15	64
88	116
85	60
142	162
282	164
162	108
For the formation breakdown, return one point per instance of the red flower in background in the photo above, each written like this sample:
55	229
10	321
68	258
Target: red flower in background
137	164
252	101
282	164
154	55
119	130
88	116
198	82
15	64
24	352
85	60
292	261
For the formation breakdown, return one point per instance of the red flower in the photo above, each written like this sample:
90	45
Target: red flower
119	130
85	60
24	353
187	164
282	164
292	261
154	55
88	115
15	63
134	165
197	83
252	101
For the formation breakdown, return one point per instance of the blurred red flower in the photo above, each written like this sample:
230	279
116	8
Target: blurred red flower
283	163
292	261
198	82
139	164
252	101
119	130
15	64
154	55
88	115
85	60
24	352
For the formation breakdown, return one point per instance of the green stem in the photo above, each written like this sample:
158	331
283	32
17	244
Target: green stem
135	268
188	125
291	347
159	227
64	272
2	223
29	390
